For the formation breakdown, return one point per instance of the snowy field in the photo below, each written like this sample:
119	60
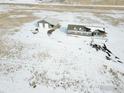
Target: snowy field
60	63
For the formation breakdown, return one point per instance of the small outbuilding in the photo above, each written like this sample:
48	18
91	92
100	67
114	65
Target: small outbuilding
79	30
48	23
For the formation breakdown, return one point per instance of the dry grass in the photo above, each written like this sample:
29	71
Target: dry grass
9	68
97	2
116	77
7	22
10	50
64	7
41	77
110	19
41	56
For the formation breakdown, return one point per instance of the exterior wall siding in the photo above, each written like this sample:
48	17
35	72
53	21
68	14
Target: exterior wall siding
79	33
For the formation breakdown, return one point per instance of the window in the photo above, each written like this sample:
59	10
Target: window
75	28
80	29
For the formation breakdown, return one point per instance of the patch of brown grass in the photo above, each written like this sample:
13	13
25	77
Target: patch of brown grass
9	68
10	50
9	22
41	56
110	19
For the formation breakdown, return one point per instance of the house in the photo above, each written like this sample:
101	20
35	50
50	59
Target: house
79	30
48	23
98	32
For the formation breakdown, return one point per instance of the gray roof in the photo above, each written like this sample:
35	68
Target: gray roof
51	21
78	27
100	31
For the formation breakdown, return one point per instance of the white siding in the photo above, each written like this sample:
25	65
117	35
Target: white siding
41	25
46	26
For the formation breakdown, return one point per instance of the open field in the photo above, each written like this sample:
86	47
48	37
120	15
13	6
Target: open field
81	2
61	6
60	63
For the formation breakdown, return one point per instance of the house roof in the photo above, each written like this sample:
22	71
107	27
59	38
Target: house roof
78	27
100	31
50	21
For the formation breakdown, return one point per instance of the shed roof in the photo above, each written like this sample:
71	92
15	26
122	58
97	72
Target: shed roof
51	21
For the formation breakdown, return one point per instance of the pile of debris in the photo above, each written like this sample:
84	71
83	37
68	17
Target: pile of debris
110	56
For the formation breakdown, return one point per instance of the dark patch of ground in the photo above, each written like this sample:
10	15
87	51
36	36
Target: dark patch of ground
109	55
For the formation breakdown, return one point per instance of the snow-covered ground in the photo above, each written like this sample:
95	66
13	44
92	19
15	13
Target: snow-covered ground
61	63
